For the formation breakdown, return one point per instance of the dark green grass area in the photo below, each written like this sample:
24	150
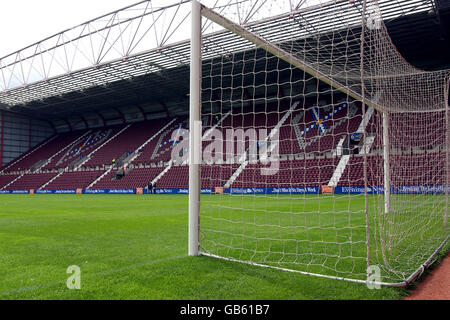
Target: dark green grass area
135	247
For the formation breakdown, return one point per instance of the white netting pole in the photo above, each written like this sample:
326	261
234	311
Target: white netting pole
194	135
447	147
363	100
387	175
387	178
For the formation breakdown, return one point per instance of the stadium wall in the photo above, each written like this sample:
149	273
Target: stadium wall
20	134
111	117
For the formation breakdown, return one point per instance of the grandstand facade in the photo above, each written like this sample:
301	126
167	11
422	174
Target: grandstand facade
93	159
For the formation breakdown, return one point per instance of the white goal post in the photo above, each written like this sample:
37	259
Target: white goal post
195	117
327	154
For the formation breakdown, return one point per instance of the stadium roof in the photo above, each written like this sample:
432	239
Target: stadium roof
139	56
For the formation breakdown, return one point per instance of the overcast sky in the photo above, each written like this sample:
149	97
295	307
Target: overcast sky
23	22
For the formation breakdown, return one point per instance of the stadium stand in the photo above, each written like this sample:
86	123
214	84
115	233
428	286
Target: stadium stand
146	146
308	139
43	151
87	142
31	181
413	169
158	150
178	176
290	173
6	179
136	178
305	134
125	143
73	180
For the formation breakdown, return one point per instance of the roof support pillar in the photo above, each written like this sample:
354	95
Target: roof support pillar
249	100
142	112
163	104
68	124
29	133
52	126
84	121
102	118
218	103
121	115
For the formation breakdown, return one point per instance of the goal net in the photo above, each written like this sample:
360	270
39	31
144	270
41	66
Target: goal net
327	153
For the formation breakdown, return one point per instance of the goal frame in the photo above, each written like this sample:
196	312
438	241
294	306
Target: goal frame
197	12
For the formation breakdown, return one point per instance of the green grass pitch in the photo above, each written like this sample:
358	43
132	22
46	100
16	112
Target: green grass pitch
135	247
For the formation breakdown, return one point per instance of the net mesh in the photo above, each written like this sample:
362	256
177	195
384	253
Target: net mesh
327	151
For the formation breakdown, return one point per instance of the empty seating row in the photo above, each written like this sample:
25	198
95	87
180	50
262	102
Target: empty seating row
6	179
74	180
135	178
405	170
31	181
307	172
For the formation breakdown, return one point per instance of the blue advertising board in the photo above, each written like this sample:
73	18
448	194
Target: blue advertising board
70	191
282	190
394	190
438	189
109	191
